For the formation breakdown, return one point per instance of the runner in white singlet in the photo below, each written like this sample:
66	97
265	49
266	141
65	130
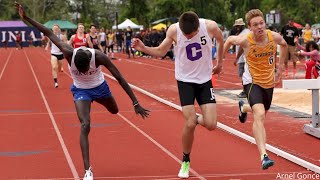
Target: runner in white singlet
192	40
88	84
56	54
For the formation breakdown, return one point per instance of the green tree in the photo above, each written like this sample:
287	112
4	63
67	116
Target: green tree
134	9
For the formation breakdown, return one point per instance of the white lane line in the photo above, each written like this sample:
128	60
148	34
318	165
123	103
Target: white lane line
235	132
5	65
63	145
146	64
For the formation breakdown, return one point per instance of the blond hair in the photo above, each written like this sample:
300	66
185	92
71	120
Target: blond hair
252	14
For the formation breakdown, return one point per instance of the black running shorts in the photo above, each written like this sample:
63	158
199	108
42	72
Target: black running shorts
58	56
203	93
258	95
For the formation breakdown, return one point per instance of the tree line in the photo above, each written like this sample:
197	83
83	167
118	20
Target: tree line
106	12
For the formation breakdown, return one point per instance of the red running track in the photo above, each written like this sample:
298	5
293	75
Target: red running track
40	129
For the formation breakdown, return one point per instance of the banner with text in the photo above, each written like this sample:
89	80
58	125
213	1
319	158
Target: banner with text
29	35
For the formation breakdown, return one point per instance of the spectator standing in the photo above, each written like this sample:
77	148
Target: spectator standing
289	33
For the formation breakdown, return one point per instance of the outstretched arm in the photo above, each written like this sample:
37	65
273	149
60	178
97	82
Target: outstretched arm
162	49
65	48
102	59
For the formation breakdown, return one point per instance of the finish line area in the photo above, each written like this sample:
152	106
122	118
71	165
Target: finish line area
40	129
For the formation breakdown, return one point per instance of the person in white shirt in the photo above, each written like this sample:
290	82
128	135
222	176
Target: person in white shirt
56	54
103	43
240	58
192	38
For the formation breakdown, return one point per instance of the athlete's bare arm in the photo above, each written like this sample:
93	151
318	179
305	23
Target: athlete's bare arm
90	44
99	44
215	32
240	52
64	38
278	39
47	46
65	48
162	49
71	41
235	40
102	59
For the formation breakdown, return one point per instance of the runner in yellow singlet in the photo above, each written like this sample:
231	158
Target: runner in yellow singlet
258	78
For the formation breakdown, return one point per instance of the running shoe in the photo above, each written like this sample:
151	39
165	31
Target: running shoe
88	175
184	170
56	85
266	162
242	115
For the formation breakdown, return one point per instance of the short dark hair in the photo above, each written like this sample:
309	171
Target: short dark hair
81	60
312	44
189	22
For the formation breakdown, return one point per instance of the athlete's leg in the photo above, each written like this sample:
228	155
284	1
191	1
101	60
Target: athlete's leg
109	103
259	132
209	118
54	66
286	61
187	97
83	112
190	124
206	99
293	57
60	65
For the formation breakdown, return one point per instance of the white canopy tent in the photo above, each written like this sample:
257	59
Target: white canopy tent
127	23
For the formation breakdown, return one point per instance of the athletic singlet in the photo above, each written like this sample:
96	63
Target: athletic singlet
91	78
193	62
260	63
77	42
54	49
307	35
94	41
110	39
102	36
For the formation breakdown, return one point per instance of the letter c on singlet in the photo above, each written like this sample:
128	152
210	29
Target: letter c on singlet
193	47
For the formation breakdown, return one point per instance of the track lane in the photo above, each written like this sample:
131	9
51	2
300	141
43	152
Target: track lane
228	110
29	144
144	156
127	144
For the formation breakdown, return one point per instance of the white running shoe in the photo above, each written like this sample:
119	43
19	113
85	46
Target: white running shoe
88	175
56	85
184	170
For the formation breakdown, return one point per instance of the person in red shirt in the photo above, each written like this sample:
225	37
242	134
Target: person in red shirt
80	38
312	50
